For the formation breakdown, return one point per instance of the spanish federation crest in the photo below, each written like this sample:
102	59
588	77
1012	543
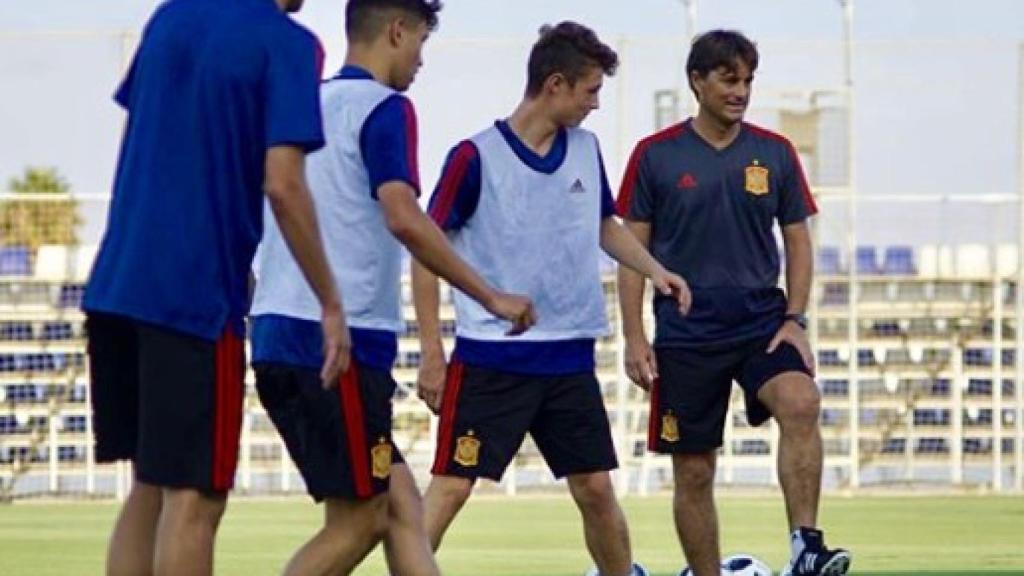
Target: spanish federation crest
380	457
756	181
669	427
467	450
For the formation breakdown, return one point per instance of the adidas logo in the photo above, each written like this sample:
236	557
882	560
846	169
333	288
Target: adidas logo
687	181
577	187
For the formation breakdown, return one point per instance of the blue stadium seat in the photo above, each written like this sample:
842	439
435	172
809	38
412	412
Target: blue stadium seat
71	295
894	446
16	331
828	260
867	260
15	261
899	260
57	331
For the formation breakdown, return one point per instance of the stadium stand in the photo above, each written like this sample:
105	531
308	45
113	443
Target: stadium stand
927	343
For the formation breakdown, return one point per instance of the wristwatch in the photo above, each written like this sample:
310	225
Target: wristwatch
800	319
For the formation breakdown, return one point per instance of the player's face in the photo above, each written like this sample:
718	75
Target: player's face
576	102
409	41
725	92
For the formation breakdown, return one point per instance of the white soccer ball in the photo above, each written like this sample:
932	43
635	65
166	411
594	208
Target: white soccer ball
745	565
739	565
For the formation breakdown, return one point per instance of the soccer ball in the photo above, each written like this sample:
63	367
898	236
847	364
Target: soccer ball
739	565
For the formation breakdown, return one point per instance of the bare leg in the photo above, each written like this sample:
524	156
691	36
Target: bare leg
407	546
604	524
351	529
133	541
795	402
445	497
694	508
186	532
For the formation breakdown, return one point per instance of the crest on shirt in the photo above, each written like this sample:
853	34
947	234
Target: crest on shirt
669	427
577	187
467	450
756	181
380	458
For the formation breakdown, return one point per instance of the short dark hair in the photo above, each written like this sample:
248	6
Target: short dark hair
365	19
570	49
717	48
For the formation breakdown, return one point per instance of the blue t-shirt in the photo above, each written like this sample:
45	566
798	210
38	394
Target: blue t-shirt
712	214
212	87
453	204
387	145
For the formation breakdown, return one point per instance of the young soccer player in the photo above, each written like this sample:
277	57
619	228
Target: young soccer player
527	203
365	183
222	106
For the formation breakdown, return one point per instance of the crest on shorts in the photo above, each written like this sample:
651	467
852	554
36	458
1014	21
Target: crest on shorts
380	457
756	181
467	450
669	427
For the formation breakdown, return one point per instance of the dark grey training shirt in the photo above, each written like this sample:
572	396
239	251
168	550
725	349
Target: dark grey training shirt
711	213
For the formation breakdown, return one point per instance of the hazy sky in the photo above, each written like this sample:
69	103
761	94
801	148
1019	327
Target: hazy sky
937	80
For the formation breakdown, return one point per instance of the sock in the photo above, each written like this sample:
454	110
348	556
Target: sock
796	545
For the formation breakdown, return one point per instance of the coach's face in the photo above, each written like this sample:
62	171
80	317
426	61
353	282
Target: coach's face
725	92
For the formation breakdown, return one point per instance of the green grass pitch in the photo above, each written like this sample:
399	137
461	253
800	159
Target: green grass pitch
541	536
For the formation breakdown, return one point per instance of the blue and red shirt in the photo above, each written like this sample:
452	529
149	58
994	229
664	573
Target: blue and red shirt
371	141
212	87
454	205
712	214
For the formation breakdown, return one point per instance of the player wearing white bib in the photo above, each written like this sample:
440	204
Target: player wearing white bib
526	202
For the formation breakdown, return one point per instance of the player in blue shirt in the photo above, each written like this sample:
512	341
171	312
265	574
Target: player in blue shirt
704	195
527	203
222	106
365	182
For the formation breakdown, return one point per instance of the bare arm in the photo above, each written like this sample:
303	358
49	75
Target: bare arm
434	256
286	189
799	271
426	299
641	366
426	242
627	250
799	266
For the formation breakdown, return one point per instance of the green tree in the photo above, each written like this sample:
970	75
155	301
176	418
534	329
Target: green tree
39	211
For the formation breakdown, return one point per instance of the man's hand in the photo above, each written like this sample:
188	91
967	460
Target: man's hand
673	285
641	365
791	333
337	346
516	309
431	380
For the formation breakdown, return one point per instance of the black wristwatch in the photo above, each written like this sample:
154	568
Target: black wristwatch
800	319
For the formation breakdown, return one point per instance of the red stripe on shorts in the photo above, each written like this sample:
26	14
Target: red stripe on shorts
446	427
654	416
229	390
355	429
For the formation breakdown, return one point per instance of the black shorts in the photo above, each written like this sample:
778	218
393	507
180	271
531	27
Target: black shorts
169	402
485	415
690	399
340	439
